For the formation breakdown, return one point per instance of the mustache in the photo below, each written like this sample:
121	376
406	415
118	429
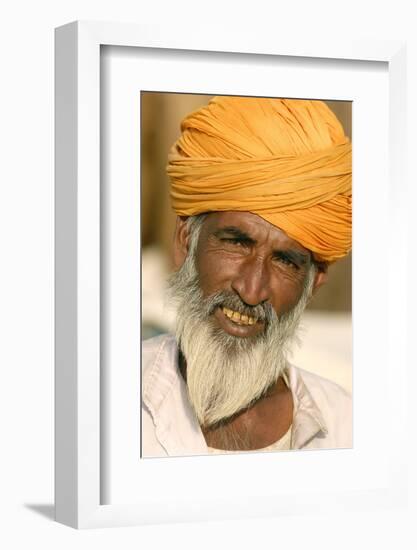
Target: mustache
223	298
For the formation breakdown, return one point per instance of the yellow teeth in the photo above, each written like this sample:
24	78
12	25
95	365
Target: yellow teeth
237	318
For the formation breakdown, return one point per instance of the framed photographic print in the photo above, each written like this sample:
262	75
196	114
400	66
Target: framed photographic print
114	85
324	335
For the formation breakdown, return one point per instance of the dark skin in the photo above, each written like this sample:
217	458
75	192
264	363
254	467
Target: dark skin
244	254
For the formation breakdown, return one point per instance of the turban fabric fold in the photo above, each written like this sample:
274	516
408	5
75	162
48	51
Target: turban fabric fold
287	161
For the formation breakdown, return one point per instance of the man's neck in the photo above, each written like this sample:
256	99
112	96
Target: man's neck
258	426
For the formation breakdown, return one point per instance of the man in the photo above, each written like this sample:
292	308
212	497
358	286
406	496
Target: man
262	190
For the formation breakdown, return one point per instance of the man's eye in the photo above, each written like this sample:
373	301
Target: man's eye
284	259
235	241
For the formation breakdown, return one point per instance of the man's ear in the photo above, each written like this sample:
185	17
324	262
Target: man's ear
321	275
180	241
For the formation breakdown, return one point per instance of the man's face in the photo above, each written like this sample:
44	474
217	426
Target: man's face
240	290
243	254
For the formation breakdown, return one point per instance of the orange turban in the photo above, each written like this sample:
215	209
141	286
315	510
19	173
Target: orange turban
286	160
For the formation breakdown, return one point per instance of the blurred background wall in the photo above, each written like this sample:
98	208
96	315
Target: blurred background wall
326	335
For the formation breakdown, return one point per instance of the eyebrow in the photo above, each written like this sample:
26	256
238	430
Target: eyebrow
234	232
294	255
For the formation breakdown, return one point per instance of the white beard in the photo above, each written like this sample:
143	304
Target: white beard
224	373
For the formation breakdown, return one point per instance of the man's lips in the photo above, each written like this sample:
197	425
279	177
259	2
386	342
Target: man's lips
237	324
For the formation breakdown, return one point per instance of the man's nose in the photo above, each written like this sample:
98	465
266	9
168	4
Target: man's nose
252	281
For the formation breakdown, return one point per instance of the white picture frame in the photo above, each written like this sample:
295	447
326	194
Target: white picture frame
79	407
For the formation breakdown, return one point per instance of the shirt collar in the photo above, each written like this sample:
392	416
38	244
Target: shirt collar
308	421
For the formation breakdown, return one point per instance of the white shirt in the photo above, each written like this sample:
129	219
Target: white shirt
283	444
322	415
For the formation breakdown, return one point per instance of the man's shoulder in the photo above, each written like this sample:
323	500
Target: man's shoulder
317	383
151	344
327	394
154	349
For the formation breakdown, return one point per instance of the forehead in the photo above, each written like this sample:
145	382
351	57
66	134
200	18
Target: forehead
254	226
